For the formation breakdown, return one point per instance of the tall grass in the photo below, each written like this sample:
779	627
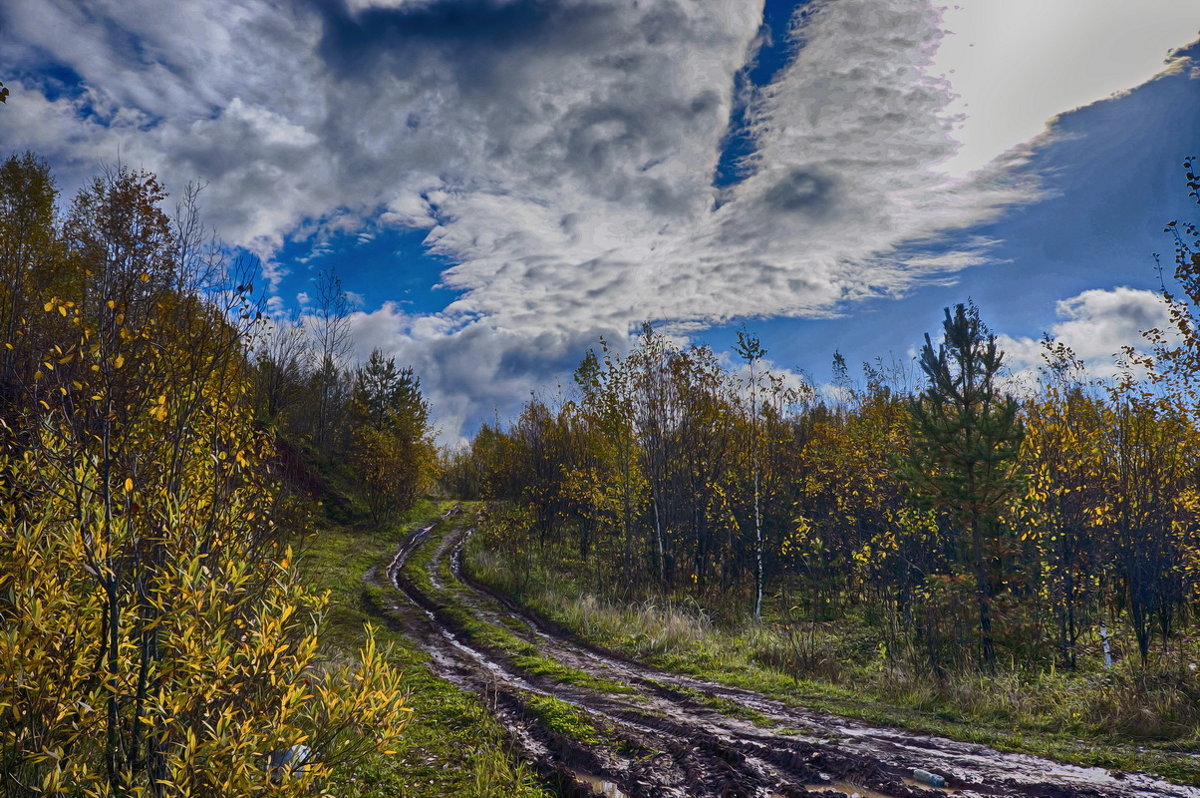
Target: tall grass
842	661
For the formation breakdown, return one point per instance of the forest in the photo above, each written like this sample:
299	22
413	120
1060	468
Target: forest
203	501
158	437
946	516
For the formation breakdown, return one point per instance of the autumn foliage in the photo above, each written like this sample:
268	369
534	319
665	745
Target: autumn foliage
154	635
962	518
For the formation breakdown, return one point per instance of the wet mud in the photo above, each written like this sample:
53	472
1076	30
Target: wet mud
659	741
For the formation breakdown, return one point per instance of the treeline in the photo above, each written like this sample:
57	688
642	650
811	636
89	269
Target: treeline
371	419
154	636
965	525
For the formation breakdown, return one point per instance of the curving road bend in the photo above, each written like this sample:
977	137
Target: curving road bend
661	736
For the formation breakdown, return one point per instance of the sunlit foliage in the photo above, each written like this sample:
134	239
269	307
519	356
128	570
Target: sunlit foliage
964	525
154	636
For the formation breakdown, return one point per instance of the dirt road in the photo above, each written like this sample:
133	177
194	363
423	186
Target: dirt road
651	734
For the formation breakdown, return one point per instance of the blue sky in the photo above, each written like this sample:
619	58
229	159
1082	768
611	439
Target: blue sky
1112	179
501	182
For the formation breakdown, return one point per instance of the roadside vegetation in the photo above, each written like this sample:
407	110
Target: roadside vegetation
163	442
452	745
939	547
1111	718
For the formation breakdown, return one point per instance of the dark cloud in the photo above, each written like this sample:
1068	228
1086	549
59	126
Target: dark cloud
803	191
476	34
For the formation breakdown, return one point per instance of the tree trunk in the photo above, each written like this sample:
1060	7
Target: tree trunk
988	649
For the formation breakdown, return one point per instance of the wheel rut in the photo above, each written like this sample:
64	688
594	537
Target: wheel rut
653	734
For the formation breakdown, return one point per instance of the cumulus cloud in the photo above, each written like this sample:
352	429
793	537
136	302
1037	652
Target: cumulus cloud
1096	324
476	371
561	153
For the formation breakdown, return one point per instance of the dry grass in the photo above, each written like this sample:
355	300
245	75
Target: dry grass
1129	704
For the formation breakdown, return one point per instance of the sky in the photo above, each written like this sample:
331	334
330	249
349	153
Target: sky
501	183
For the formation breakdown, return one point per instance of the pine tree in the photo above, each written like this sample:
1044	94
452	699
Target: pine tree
393	450
966	437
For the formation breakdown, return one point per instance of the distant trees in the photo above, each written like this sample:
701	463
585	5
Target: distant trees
650	458
331	334
154	636
962	524
392	448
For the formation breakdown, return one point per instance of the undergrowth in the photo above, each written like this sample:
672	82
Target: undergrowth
1127	718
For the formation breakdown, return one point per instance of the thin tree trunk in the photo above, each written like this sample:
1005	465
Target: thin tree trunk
981	593
758	551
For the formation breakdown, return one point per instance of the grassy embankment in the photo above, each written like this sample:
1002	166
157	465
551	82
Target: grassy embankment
452	745
1123	719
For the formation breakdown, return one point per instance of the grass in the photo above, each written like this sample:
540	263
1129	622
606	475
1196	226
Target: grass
497	639
1120	719
566	719
728	707
449	727
538	665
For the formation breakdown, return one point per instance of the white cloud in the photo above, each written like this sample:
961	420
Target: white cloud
1018	64
1096	324
562	152
477	371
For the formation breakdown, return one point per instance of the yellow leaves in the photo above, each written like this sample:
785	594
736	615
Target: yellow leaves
119	362
159	410
128	484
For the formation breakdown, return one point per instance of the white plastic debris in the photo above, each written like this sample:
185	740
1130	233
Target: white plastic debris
294	760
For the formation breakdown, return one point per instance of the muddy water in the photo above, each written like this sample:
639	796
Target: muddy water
858	791
673	746
599	786
846	788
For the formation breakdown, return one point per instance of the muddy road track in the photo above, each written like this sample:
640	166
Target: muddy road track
652	734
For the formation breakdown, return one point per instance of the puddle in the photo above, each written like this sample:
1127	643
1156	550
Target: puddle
848	789
599	785
845	788
924	786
